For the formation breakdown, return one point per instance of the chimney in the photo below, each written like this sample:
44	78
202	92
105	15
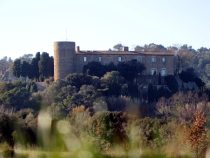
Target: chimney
125	49
78	49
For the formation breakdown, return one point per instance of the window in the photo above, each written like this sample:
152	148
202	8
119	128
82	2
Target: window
153	71
119	59
153	59
99	59
163	72
163	59
85	59
139	58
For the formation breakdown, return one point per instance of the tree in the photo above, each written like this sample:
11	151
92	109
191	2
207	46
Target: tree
111	67
39	66
108	127
172	83
118	47
51	66
198	135
78	80
152	93
154	47
56	92
182	106
163	92
208	93
17	68
139	48
94	69
7	127
203	50
25	69
6	65
17	95
188	75
27	58
152	132
130	69
85	97
35	66
22	68
45	65
113	82
116	103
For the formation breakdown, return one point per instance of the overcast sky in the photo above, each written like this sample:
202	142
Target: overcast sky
29	26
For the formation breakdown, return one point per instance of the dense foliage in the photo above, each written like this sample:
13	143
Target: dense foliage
17	95
109	110
129	69
5	68
196	59
40	67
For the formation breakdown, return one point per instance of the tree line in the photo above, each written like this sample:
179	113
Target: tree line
39	67
129	69
5	68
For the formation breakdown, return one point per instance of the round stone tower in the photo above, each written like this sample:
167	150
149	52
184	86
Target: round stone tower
64	53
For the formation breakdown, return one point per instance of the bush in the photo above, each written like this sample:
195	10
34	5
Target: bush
94	69
78	80
17	94
7	127
116	104
153	133
108	128
26	129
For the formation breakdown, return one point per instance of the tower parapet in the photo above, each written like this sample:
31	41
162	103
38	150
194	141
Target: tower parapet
64	53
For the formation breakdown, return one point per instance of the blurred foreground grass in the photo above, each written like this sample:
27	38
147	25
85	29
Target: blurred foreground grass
84	154
103	135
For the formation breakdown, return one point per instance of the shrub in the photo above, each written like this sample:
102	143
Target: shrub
197	135
153	133
116	103
7	127
108	128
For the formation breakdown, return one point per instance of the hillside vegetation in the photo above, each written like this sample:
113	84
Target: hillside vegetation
107	111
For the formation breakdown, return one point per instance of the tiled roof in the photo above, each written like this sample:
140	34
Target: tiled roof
124	53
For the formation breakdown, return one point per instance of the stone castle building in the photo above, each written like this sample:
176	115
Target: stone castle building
69	59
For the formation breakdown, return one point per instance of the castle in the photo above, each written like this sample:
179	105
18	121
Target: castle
69	59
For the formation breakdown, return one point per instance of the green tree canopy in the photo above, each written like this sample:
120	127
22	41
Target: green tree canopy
113	81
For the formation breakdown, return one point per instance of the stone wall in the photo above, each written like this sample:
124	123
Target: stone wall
67	60
159	64
146	60
64	53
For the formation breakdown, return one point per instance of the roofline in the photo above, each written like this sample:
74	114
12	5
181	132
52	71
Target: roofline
124	53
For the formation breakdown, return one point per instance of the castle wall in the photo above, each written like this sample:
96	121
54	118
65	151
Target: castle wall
144	59
67	61
159	64
105	59
64	53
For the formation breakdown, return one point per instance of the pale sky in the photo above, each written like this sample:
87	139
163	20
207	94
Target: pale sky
29	26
